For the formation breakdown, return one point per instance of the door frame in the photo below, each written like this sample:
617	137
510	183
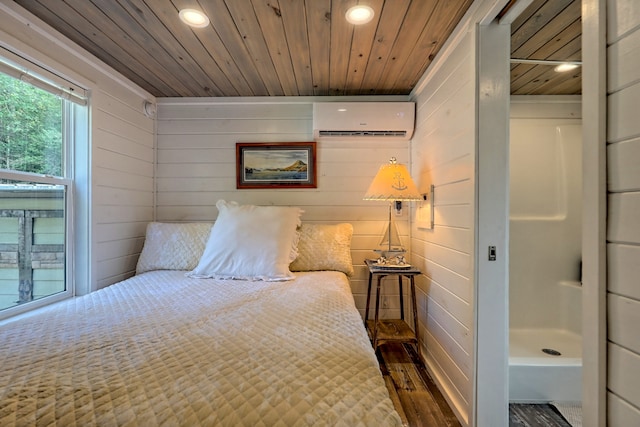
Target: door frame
594	268
492	224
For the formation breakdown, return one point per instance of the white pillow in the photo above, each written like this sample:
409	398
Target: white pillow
324	247
173	246
250	243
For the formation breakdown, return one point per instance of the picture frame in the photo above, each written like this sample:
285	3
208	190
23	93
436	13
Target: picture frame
276	165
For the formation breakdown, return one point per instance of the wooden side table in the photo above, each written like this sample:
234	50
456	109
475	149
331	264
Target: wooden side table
397	330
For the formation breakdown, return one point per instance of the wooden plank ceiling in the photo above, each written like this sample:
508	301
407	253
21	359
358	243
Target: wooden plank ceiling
298	47
547	30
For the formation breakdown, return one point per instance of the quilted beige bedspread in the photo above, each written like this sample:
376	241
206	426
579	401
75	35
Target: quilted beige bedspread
163	349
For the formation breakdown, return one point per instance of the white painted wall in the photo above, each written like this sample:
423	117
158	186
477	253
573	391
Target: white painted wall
197	166
443	154
623	225
462	301
117	186
545	213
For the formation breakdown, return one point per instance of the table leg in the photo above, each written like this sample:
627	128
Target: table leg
366	311
401	296
374	334
415	314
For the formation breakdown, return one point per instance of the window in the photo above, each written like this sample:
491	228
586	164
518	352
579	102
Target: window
37	130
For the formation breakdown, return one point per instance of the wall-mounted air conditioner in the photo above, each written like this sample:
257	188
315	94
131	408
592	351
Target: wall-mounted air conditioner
340	120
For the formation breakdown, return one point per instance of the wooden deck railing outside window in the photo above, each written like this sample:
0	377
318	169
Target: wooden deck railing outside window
28	256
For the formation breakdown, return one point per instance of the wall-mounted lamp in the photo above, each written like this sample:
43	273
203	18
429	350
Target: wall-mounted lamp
393	184
425	214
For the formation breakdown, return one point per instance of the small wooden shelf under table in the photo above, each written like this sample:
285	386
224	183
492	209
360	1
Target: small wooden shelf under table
396	330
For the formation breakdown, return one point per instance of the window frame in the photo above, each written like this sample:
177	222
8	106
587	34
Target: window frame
69	291
75	125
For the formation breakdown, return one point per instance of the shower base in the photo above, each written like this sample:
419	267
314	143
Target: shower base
537	373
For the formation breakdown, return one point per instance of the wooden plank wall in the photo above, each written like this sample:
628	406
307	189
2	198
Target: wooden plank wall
196	167
623	227
443	154
122	182
114	177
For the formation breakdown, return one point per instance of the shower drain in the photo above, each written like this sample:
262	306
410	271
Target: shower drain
551	352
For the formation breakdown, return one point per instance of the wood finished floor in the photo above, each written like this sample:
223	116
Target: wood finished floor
413	392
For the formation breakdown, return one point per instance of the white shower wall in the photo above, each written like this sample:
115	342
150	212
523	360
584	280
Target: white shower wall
545	213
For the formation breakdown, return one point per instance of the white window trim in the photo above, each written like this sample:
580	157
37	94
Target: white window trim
28	72
18	67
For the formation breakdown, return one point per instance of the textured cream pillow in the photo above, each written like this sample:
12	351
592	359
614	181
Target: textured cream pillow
324	247
173	246
250	242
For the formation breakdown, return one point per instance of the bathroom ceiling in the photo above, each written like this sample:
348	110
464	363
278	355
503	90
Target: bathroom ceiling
547	30
300	48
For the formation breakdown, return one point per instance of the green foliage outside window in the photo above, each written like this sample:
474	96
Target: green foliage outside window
30	128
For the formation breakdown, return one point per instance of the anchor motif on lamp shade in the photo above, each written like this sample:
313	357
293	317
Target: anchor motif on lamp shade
392	183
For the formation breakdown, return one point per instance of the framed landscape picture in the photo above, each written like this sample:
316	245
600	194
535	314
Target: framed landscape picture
276	165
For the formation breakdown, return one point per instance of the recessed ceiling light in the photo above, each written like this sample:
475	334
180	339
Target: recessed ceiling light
194	18
359	15
565	67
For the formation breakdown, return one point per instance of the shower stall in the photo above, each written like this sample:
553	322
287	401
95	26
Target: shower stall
545	296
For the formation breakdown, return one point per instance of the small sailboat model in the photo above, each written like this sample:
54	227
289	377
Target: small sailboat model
390	247
393	184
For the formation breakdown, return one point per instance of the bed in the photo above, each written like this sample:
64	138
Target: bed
184	345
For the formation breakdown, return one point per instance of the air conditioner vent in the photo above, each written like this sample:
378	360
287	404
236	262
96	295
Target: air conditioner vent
398	133
391	120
